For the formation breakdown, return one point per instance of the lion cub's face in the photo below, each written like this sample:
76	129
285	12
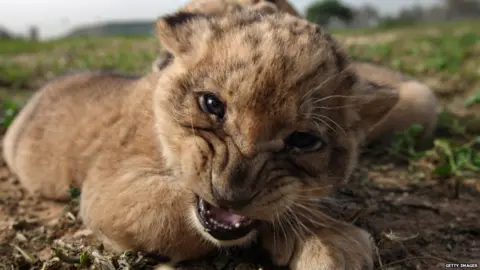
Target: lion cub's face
255	117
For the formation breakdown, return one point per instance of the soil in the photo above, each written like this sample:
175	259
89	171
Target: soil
416	222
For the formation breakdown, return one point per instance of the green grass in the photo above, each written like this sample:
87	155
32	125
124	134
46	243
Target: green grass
28	64
23	46
8	110
445	53
14	75
474	99
412	28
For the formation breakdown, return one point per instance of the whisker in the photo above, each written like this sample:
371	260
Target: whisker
337	96
314	218
291	222
318	126
331	120
308	230
299	223
334	228
334	107
320	202
325	123
318	188
277	219
315	214
313	90
284	232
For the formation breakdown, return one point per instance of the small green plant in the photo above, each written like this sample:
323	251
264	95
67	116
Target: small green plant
453	153
74	193
475	99
457	161
85	259
9	110
448	125
405	144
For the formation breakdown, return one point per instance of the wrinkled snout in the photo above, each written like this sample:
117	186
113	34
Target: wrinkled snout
236	187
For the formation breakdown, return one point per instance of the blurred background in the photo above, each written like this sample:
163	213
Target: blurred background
46	19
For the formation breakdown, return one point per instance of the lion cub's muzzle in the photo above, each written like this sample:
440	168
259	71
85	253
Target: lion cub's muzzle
221	223
233	189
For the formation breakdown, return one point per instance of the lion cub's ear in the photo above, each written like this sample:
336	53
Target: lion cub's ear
183	34
265	7
271	6
373	103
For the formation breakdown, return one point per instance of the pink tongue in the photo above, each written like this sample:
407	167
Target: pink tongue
226	217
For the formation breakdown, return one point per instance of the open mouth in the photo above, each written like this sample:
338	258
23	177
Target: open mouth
222	224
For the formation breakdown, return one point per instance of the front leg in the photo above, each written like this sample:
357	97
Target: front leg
342	247
133	205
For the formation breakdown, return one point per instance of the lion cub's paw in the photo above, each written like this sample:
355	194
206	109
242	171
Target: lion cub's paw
339	249
164	267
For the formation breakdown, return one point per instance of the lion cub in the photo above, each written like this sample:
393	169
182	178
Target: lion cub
416	105
257	116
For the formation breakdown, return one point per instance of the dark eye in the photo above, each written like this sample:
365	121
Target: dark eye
211	104
303	141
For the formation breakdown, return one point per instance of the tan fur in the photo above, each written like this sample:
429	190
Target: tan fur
142	149
417	104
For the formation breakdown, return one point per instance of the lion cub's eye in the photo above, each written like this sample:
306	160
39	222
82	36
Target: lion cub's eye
303	141
211	104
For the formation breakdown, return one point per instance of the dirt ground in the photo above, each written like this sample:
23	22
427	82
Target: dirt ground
416	226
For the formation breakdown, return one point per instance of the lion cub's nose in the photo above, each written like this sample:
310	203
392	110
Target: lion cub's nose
231	199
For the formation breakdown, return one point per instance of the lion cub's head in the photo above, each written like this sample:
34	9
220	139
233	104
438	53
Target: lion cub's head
256	116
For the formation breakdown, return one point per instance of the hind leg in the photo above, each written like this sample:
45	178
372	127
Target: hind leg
17	129
44	178
417	105
41	174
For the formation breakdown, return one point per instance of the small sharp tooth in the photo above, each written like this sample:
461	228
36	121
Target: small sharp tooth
214	222
208	212
237	225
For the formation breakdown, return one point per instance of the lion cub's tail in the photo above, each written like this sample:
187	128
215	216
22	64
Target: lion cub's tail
16	130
